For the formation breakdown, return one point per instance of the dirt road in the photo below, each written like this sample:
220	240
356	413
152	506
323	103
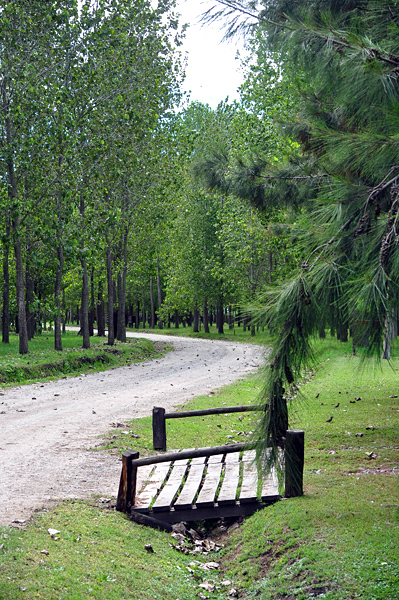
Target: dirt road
47	429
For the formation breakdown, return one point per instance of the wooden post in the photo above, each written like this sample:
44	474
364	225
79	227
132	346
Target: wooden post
127	484
294	459
158	428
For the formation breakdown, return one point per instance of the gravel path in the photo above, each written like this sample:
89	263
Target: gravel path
47	429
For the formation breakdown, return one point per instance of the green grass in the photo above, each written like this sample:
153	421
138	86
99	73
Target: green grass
43	361
237	334
99	554
338	542
195	432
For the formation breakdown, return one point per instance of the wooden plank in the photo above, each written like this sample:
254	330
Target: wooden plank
191	485
294	459
127	485
158	428
167	494
249	485
228	490
206	497
214	411
270	486
197	514
158	458
151	487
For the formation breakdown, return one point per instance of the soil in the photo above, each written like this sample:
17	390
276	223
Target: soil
49	430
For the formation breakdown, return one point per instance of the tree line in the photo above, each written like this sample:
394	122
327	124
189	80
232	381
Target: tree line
120	198
105	218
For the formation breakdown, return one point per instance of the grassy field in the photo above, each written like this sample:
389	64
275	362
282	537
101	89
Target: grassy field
236	334
340	541
43	362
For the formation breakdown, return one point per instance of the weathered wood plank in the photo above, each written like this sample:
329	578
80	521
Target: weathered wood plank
294	459
214	411
197	514
270	486
127	484
206	497
167	494
158	458
151	487
158	428
191	485
228	490
249	485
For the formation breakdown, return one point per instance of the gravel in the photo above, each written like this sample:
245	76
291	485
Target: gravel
49	429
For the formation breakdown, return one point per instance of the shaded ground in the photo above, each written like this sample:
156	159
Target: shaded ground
47	429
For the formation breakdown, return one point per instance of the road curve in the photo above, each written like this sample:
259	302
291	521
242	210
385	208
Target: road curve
47	429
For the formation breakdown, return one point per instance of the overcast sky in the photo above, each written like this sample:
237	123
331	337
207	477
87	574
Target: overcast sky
212	72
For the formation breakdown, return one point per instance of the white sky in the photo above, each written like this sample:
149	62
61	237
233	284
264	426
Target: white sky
212	72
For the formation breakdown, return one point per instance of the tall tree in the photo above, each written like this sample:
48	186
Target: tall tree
345	181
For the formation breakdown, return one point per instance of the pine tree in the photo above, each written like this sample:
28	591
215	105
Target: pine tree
345	54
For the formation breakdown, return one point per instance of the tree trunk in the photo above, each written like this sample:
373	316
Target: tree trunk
110	291
100	311
57	293
253	287
176	317
92	311
64	311
388	334
6	287
205	316
152	318
85	306
22	327
121	329
160	322
219	316
196	320
137	315
143	310
231	318
84	324
12	194
343	332
29	296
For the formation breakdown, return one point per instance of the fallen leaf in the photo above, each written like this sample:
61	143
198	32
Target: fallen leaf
209	587
209	565
371	455
53	532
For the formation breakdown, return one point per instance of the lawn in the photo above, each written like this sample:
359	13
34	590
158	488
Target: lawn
339	541
43	362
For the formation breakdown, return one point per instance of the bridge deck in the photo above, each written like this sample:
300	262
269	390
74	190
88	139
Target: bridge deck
224	485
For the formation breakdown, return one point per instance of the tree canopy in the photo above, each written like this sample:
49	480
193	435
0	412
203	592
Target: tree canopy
342	58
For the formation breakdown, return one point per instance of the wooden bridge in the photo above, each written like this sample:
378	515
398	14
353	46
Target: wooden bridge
206	483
